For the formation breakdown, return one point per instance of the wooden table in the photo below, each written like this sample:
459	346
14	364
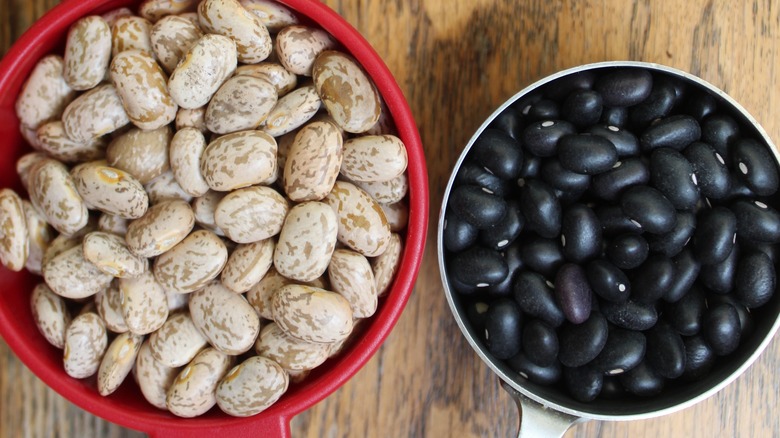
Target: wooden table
456	62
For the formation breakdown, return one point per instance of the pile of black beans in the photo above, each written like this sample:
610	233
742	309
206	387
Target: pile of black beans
612	232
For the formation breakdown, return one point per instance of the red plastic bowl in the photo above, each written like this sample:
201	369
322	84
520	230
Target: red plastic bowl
127	406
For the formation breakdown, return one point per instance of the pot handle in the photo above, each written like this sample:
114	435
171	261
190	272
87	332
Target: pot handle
271	427
537	420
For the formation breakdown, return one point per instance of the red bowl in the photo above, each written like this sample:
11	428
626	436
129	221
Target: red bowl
127	407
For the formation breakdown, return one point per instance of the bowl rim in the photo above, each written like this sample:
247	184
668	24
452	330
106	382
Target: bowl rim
464	326
354	357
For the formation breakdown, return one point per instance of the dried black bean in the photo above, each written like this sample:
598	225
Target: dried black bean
624	87
614	116
462	288
721	329
541	138
471	173
622	352
671	243
581	343
771	250
541	208
582	108
542	255
531	166
674	132
505	232
627	251
580	233
642	380
586	153
523	105
558	177
630	315
657	105
757	221
710	169
458	234
685	314
673	176
503	328
478	266
476	311
607	281
686	270
700	105
665	351
514	264
626	143
499	153
755	279
699	358
476	206
545	109
746	323
583	383
652	280
719	277
572	293
527	369
626	173
649	208
510	122
755	165
715	235
560	88
540	343
611	388
719	131
614	221
737	189
535	297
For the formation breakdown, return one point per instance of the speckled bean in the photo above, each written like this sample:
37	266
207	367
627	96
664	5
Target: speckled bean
109	253
97	112
261	294
131	33
283	80
160	229
225	318
110	190
141	85
54	193
45	94
154	10
312	314
397	215
273	15
115	14
199	74
191	264
85	343
229	18
70	275
297	47
109	306
143	154
240	159
351	276
144	304
292	111
386	265
52	139
289	352
112	224
14	236
204	208
241	103
58	245
386	192
374	158
248	264
166	188
39	234
117	362
50	313
87	52
177	342
193	392
154	379
251	387
313	162
251	214
362	223
306	241
192	118
185	153
25	163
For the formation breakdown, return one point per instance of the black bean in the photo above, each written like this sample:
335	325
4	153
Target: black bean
514	264
614	221
771	250
586	153
499	153
686	270
685	314
674	132
541	208
721	329
503	328
540	343
719	131
541	138
710	169
471	173
614	116
624	87
545	109
626	173
611	388
476	311
757	221
665	351
583	383
658	104
582	108
755	279
737	189
746	323
652	279
505	232
719	277
510	122
572	293
478	266
630	315
581	343
642	380
542	255
560	88
673	176
624	141
754	163
699	358
458	234
715	235
477	207
558	177
462	288
627	251
608	281
523	104
648	207
623	351
700	105
580	233
527	369
531	166
535	297
671	243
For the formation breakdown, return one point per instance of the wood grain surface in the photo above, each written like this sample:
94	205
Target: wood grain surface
456	61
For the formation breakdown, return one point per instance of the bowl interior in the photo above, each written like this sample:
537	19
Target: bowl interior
127	406
677	396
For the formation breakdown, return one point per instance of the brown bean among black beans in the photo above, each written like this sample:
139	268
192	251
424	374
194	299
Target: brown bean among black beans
628	233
